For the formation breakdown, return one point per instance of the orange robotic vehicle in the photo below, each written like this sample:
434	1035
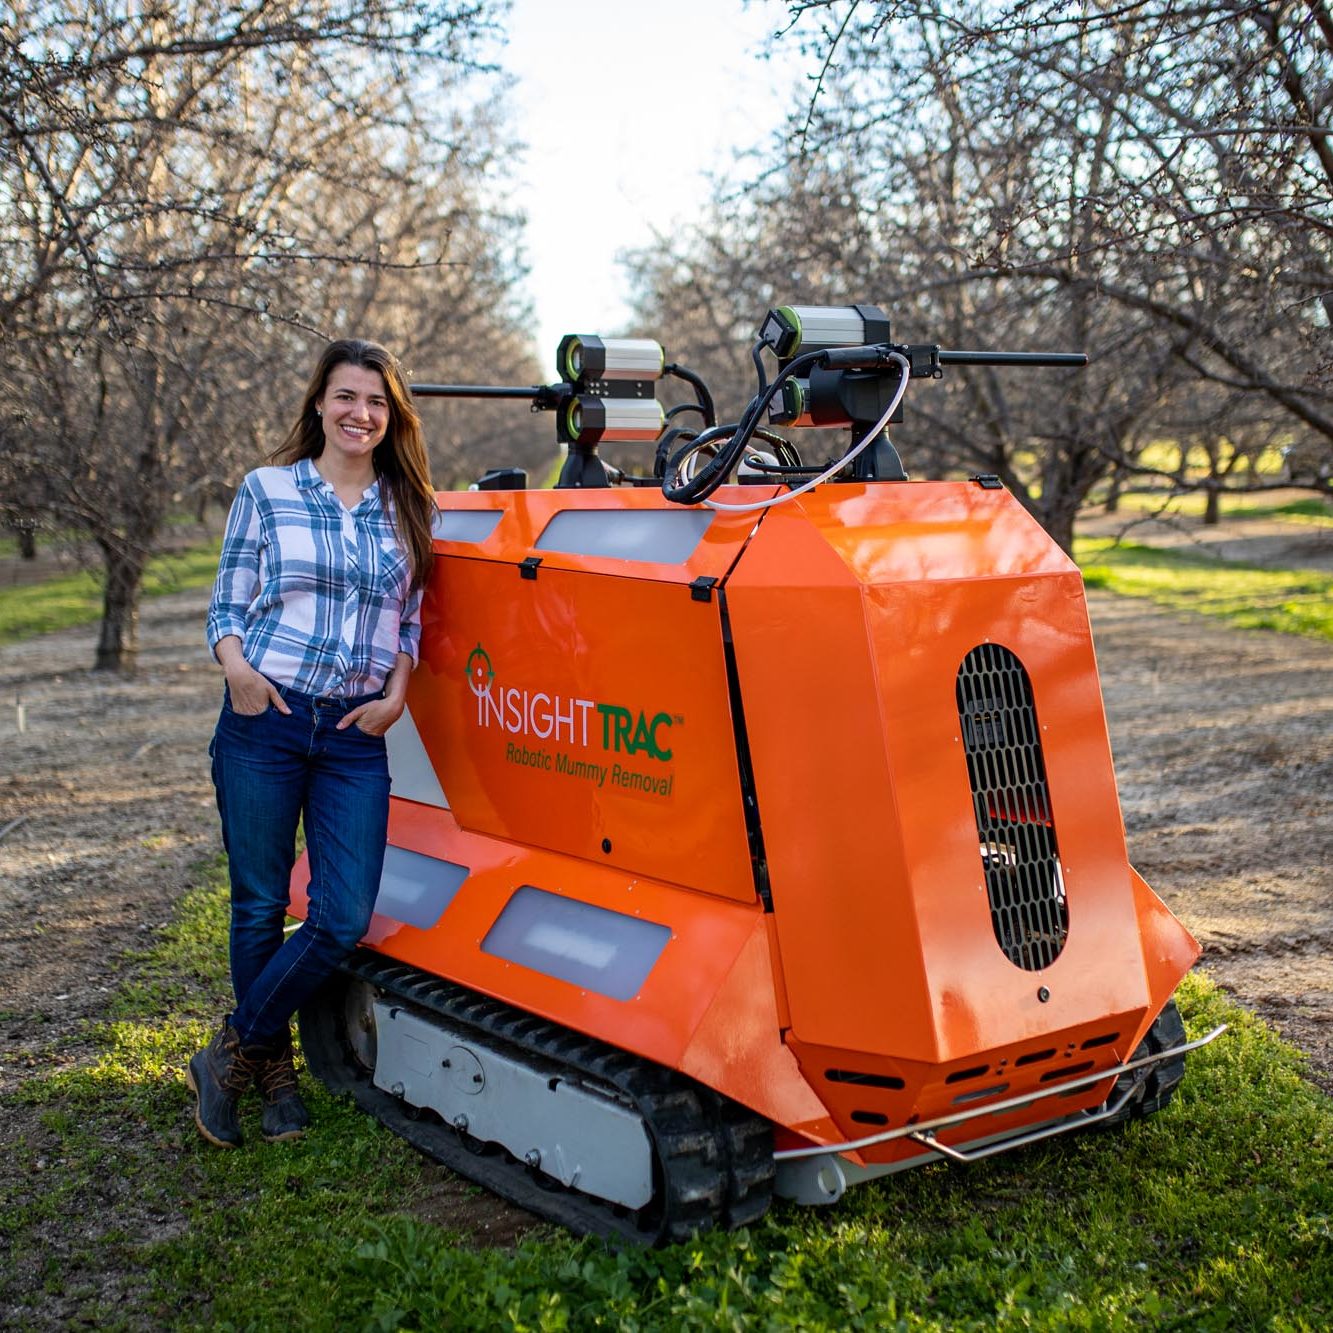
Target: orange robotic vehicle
749	838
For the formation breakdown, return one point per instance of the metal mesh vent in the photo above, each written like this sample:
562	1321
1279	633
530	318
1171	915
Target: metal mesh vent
1013	807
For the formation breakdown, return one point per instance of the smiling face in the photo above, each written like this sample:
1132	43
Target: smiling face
354	409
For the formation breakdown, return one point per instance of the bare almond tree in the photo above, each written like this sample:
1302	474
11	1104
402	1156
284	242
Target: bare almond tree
1148	182
811	234
193	197
1173	161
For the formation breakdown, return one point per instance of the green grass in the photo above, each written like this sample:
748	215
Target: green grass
76	599
1164	455
1312	510
1215	1214
1293	602
250	1229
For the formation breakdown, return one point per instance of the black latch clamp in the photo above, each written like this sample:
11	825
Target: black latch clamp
701	590
528	568
988	481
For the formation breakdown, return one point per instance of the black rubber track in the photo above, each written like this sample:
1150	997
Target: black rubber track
1157	1083
713	1159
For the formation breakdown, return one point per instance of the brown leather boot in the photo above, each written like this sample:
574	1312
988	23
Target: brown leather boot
217	1076
285	1115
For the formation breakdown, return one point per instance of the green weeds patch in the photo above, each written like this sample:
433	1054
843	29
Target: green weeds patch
1216	1213
115	1206
76	599
1291	601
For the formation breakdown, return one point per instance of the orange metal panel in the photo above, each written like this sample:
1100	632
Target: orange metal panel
737	1047
527	513
930	530
845	918
585	714
866	1094
872	845
779	985
706	1007
1169	950
707	934
979	998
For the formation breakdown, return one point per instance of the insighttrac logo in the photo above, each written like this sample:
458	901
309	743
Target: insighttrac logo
546	715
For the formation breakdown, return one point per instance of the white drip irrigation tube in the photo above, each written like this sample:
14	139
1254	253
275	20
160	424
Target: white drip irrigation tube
871	435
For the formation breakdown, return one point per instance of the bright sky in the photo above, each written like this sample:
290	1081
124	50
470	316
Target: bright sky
625	106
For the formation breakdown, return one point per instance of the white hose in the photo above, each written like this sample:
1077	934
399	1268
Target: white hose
870	435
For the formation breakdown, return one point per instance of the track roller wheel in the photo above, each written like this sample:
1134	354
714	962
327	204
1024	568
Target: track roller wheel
337	1027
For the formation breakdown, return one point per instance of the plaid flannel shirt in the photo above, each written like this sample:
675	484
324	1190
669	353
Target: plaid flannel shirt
319	596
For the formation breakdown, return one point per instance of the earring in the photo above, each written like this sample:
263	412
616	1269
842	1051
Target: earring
319	411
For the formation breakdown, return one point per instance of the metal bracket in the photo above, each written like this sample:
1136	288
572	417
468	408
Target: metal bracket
527	569
701	590
988	481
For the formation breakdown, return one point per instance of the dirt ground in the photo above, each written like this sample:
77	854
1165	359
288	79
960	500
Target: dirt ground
1223	742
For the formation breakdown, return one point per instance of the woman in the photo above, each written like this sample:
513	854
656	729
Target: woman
315	618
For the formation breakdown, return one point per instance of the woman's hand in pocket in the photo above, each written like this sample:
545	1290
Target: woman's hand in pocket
374	718
252	693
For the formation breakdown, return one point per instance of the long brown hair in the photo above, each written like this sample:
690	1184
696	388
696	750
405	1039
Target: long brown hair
400	457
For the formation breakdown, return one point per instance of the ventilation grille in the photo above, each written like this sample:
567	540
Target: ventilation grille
1013	807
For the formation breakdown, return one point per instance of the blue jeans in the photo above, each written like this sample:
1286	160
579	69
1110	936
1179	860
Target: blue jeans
270	770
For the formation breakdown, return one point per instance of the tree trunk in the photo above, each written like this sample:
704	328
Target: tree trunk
1058	515
118	642
1113	490
1212	506
27	538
